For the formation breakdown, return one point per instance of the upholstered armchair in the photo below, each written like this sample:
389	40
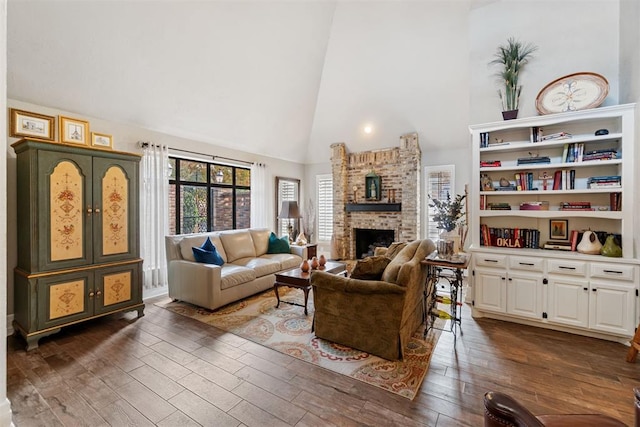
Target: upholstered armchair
376	316
501	410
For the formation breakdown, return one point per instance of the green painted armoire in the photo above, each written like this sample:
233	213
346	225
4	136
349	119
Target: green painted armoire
78	242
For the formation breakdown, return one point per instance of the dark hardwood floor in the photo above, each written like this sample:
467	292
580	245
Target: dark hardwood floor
168	370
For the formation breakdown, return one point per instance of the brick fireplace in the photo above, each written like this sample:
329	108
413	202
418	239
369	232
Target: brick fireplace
398	209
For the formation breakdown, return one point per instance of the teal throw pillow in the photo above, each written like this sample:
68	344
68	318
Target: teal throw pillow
207	253
278	246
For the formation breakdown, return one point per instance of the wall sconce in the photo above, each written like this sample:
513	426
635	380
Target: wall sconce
219	176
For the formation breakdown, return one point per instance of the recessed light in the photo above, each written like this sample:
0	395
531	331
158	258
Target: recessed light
368	129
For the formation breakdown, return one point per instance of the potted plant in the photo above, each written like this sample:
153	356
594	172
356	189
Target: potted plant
449	214
512	58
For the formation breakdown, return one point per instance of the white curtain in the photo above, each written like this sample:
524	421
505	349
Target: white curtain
259	200
154	214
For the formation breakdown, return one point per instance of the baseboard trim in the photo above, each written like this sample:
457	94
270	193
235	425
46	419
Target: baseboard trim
152	293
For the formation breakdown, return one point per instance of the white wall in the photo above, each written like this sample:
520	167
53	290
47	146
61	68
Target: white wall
571	37
125	138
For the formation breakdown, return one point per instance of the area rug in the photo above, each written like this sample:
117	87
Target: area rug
286	329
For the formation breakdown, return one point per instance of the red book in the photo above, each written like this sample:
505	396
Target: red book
557	180
574	239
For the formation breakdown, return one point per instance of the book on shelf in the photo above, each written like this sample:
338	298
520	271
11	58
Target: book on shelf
576	206
510	187
509	237
572	179
484	139
533	160
483	202
490	163
555	136
562	246
534	133
557	180
502	206
615	201
573	239
534	206
573	153
613	181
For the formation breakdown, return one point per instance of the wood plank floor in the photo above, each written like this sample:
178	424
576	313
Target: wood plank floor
168	370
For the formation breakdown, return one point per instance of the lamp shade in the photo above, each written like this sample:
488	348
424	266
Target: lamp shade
289	209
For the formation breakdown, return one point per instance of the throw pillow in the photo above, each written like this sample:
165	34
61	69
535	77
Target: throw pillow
394	249
370	268
278	246
207	253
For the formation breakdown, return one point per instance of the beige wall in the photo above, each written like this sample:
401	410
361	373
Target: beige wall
125	138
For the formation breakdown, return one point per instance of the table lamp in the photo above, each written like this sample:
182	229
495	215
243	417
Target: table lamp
289	210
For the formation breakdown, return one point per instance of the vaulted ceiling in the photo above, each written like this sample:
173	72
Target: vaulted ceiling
283	79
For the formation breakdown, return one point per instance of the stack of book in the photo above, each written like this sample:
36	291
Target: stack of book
602	154
561	245
564	179
510	187
484	139
533	160
490	163
555	136
499	206
534	206
613	181
576	206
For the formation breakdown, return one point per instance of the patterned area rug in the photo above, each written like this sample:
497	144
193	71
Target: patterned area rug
286	329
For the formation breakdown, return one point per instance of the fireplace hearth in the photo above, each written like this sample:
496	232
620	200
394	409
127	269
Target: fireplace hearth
368	240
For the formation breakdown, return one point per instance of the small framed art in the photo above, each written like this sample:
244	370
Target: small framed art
101	140
25	124
558	229
73	131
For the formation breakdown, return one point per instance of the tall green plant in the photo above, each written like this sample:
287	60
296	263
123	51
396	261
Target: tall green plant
512	57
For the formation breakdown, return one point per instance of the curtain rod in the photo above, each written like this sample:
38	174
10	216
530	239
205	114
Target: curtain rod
213	157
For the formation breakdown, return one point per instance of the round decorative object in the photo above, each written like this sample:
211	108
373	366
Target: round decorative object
322	260
601	132
314	263
304	266
578	91
611	248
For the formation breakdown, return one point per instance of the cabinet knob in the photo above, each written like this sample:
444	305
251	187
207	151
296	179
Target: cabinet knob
594	289
98	293
97	210
585	289
89	210
91	294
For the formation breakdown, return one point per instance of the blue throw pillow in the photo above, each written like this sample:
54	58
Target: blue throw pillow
207	253
278	246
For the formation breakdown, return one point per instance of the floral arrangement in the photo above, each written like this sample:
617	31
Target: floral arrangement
449	213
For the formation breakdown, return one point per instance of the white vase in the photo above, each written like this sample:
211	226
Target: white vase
454	237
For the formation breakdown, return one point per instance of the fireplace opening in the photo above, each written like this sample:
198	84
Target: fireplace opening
368	240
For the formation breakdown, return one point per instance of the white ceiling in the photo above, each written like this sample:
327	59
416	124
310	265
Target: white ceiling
282	79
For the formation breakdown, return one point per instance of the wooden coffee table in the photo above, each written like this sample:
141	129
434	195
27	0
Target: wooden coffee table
296	278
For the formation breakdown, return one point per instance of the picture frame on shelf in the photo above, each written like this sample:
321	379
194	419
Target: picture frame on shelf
559	229
73	131
101	140
25	124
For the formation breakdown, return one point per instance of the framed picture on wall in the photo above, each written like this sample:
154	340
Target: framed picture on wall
25	124
73	131
101	140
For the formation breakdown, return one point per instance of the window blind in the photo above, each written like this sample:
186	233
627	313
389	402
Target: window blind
440	182
324	216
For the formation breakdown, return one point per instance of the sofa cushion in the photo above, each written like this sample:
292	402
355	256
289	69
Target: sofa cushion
286	261
207	253
370	268
394	249
262	266
237	244
234	275
278	246
260	237
193	240
406	254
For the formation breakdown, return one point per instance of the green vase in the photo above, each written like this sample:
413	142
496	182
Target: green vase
611	248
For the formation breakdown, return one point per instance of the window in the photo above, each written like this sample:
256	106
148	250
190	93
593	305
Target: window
206	196
287	189
324	191
439	182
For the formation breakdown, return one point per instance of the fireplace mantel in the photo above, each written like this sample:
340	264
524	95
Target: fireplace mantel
373	207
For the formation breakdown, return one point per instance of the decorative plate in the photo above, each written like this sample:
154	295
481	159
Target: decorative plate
578	91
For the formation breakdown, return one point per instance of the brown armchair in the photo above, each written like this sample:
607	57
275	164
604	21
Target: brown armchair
376	316
501	410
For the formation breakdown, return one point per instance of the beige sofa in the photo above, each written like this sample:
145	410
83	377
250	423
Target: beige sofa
248	268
